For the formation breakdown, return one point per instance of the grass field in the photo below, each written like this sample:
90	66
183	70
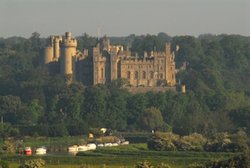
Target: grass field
122	156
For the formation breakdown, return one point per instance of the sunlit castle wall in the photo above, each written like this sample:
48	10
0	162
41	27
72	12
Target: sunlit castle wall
48	55
68	51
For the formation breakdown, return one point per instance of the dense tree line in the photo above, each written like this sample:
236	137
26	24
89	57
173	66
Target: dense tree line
216	74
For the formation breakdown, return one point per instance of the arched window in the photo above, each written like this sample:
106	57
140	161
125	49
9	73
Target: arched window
128	74
143	75
151	75
136	75
102	73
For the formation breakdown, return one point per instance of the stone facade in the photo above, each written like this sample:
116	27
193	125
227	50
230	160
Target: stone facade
105	63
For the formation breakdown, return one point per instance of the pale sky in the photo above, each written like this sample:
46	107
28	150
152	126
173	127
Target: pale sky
124	17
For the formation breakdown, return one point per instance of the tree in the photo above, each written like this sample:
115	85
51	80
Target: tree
241	117
136	105
7	130
152	119
35	41
10	108
95	105
116	113
32	113
86	42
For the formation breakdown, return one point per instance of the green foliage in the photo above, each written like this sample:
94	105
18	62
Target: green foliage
144	164
196	165
7	130
58	130
221	142
163	141
241	117
217	100
9	146
163	165
86	42
241	161
152	119
224	142
4	164
34	163
192	142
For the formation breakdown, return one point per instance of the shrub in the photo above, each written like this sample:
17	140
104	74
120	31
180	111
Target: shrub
240	161
4	164
35	163
144	164
9	146
192	142
58	130
224	142
163	141
163	165
7	130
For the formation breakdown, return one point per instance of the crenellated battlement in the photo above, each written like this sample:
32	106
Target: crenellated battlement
106	62
69	43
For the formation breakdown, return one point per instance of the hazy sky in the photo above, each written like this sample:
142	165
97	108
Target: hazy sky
124	17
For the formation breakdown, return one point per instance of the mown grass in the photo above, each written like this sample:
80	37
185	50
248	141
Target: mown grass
139	152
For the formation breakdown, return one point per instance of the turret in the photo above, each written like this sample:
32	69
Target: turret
68	51
49	51
48	55
56	45
168	48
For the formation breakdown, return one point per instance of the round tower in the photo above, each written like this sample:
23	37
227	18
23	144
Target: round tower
56	44
48	55
68	50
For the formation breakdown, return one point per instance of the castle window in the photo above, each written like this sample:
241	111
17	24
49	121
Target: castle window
161	76
136	75
128	74
102	73
143	75
161	68
151	75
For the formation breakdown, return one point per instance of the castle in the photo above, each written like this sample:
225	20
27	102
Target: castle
105	63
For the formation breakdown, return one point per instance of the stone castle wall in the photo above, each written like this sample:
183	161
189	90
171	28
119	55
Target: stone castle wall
154	71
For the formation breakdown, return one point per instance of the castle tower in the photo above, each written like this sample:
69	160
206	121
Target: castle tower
168	48
48	55
56	45
49	51
99	66
170	65
68	51
113	63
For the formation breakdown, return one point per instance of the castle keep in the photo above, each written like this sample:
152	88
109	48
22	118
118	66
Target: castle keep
105	63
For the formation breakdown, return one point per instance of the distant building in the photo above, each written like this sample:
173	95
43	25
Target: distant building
105	63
